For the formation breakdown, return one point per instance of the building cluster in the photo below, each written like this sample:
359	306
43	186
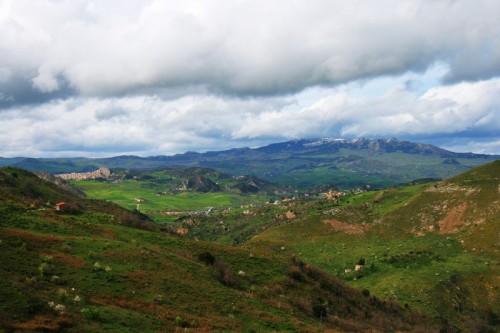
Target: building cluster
99	173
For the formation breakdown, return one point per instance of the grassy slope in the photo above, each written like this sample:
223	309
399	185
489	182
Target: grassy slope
130	279
408	258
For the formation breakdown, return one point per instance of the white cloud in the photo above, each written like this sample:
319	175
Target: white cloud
157	77
149	125
143	125
244	47
399	112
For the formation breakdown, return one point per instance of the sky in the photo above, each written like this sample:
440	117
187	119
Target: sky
159	77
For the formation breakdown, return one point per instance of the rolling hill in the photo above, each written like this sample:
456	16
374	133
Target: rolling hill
94	266
433	246
304	163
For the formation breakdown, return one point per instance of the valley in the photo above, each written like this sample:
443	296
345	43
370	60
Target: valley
98	267
202	250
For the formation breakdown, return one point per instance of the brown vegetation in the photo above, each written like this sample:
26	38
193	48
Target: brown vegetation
43	323
346	227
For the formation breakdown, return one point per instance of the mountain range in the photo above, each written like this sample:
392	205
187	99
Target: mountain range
303	163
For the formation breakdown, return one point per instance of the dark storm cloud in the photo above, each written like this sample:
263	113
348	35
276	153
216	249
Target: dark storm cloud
18	91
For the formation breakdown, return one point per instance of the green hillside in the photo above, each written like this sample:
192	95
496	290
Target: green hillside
432	246
94	267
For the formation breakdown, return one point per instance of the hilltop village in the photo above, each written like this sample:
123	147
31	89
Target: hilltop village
99	173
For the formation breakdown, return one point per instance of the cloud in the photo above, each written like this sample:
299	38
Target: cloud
461	108
141	125
257	48
158	77
16	89
149	125
110	113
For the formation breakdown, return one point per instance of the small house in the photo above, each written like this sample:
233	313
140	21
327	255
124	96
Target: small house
60	206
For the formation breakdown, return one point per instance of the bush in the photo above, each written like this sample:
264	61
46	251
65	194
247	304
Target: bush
224	274
90	313
43	269
319	309
296	275
207	258
179	321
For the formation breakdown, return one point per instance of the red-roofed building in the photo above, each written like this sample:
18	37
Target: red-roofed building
61	205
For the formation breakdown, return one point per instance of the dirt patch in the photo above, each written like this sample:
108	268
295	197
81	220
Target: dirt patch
107	233
29	237
123	302
453	220
346	227
69	260
137	274
43	324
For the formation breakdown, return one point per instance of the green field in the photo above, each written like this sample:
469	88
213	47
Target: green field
126	192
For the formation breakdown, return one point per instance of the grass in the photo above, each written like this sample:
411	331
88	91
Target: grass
125	193
127	297
451	275
84	270
406	269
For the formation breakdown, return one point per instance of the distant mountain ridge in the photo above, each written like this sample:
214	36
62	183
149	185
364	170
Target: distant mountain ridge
377	145
344	163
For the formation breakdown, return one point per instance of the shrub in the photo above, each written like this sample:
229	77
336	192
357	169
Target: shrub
319	309
34	305
62	294
90	313
43	268
207	258
224	274
179	321
296	275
